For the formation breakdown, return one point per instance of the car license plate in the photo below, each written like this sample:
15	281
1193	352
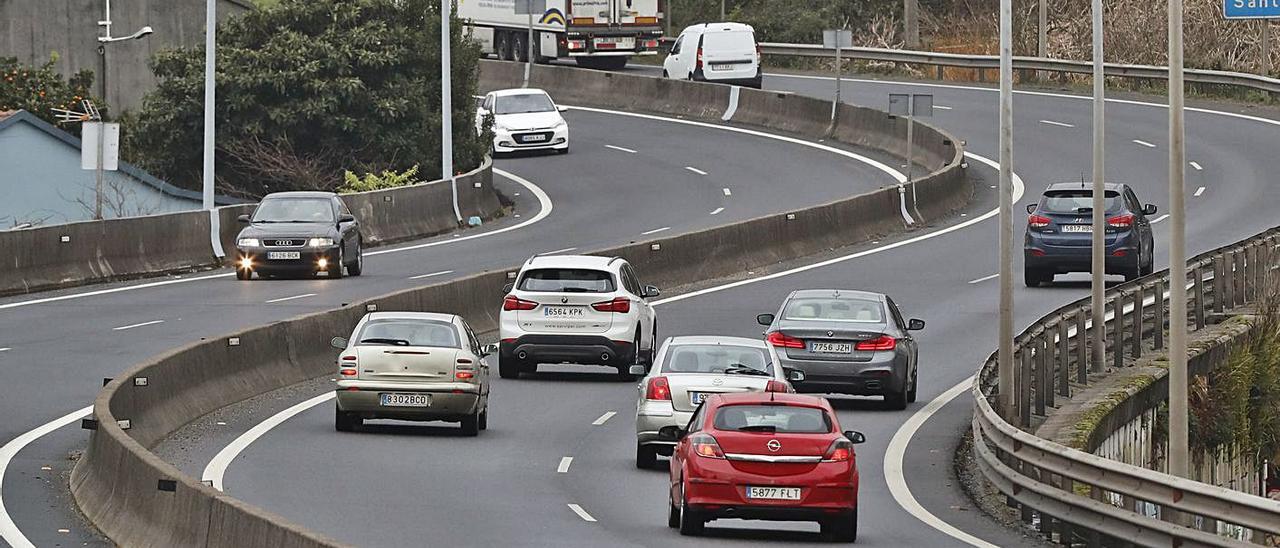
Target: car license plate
619	42
773	493
406	400
831	348
283	255
533	138
721	66
1078	228
696	398
562	311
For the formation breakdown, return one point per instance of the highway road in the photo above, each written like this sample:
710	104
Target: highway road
406	485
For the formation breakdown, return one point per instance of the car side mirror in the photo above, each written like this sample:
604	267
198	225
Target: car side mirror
794	375
650	292
562	108
482	112
346	218
339	342
508	287
764	319
489	349
915	325
855	436
637	370
1149	209
671	433
1031	208
243	218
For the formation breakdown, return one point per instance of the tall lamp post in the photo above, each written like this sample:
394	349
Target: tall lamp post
446	104
1004	358
103	40
1178	422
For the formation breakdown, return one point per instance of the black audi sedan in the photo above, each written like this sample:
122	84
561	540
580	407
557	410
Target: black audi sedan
301	233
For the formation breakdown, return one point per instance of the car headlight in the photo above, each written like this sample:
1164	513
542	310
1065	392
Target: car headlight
249	242
320	242
561	125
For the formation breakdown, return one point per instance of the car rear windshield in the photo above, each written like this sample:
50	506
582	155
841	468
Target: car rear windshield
519	104
1074	202
408	332
773	418
567	280
717	359
294	210
833	309
738	40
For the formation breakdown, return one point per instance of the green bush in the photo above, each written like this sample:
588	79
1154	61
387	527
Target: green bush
353	183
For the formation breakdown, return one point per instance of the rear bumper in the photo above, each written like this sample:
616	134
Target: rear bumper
582	349
827	491
756	81
449	401
1121	255
884	374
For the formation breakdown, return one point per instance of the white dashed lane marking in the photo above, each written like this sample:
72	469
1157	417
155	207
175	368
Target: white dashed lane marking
563	468
136	325
431	275
655	231
695	170
1143	143
627	150
283	299
581	513
1053	123
604	418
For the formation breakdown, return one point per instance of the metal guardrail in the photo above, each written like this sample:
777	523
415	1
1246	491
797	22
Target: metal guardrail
1047	479
982	62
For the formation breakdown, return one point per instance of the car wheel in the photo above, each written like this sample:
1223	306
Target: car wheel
691	523
896	400
484	419
1134	273
357	268
335	269
673	515
915	384
1033	277
471	425
346	422
843	528
665	74
646	457
508	367
244	274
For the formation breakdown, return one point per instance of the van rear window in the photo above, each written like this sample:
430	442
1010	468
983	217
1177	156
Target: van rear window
567	280
730	41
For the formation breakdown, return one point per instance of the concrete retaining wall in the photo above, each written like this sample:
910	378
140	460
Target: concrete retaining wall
94	251
115	482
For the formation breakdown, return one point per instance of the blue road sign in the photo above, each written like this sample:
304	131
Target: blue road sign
1251	9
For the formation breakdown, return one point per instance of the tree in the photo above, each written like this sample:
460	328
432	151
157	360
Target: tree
309	89
39	90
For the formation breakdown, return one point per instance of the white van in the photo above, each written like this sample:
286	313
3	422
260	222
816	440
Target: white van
724	53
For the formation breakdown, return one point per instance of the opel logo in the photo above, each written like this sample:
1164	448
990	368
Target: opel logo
774	445
564	300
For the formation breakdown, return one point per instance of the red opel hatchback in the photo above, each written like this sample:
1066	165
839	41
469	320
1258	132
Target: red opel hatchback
767	456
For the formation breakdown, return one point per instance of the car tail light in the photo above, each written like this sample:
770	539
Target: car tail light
783	340
1038	221
883	342
621	305
658	389
1037	252
1119	253
841	450
348	372
576	44
514	303
704	445
1120	221
464	375
699	57
777	386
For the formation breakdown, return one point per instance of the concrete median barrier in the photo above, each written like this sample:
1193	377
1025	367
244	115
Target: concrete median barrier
116	481
72	254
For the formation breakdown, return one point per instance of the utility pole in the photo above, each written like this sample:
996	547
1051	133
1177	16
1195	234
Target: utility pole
1005	353
446	104
528	53
210	57
1266	47
911	23
1098	245
722	10
1042	42
1178	427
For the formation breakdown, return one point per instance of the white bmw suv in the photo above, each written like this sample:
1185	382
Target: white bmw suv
576	309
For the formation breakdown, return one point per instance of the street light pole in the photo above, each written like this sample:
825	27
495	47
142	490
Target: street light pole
446	104
1098	245
1005	353
210	56
1178	427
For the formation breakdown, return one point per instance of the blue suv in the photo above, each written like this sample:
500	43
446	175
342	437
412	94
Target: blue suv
1060	233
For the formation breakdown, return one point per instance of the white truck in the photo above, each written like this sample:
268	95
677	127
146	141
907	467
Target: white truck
599	34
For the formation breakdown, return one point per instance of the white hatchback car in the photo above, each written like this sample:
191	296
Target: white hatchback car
690	368
524	119
724	53
576	309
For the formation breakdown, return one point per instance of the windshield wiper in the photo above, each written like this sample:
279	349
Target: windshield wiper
377	340
759	428
739	369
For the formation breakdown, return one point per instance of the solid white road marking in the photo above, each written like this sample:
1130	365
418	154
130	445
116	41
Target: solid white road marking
893	466
8	530
727	192
985	278
558	251
1199	191
143	324
217	467
283	299
6	349
1196	166
581	513
1053	123
563	468
941	107
1143	143
1160	218
717	210
695	170
604	418
431	275
627	150
655	231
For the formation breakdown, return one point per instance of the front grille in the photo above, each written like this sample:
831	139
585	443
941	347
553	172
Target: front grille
295	242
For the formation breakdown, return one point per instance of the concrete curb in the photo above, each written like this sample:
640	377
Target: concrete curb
67	255
115	482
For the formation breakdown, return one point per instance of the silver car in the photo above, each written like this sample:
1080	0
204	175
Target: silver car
688	369
847	342
412	366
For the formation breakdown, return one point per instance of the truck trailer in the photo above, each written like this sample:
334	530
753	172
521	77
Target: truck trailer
599	34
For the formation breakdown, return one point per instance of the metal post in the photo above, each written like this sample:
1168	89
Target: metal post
1064	360
911	23
1159	332
528	50
1138	297
1042	42
722	10
1082	350
1178	427
839	73
1025	385
1099	268
666	14
1117	313
911	149
446	104
1005	353
1266	47
210	58
1198	287
97	171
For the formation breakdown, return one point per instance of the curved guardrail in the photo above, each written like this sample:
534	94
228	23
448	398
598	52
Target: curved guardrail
1071	489
960	60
